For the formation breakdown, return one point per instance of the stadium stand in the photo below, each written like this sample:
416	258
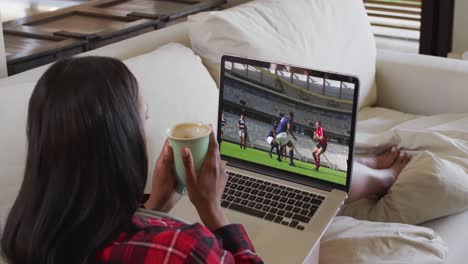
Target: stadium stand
267	102
324	95
335	156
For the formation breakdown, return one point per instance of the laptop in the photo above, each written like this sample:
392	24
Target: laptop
286	135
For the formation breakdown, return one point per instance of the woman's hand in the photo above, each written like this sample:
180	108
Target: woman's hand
206	188
163	195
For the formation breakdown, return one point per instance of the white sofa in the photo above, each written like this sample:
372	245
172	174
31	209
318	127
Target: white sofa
408	83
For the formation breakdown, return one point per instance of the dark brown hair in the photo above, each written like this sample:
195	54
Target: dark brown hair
86	165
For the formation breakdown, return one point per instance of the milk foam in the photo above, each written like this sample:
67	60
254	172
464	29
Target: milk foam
189	131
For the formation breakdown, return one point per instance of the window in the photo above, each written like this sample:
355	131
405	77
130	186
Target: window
418	26
396	23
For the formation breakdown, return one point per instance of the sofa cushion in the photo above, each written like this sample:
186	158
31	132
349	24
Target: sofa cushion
14	100
348	240
435	183
177	88
331	35
454	237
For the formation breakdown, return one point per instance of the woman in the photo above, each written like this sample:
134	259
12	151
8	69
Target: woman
85	174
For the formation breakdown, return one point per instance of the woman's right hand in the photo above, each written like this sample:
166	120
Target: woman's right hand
206	187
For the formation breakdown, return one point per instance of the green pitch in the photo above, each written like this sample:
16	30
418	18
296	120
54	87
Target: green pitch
303	168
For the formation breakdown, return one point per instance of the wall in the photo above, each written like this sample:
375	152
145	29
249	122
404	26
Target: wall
3	67
460	27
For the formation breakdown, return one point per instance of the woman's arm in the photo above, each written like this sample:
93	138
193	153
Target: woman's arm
205	189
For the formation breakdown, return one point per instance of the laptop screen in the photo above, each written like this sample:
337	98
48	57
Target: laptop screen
292	120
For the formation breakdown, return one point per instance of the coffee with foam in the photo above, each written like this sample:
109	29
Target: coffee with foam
194	136
187	131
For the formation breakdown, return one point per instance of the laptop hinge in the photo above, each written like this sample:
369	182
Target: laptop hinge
272	173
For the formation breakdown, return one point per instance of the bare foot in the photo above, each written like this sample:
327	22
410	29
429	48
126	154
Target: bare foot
388	176
382	161
373	183
399	164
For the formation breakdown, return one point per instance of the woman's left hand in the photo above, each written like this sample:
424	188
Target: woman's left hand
163	195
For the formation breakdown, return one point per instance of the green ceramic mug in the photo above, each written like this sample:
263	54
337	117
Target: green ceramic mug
194	136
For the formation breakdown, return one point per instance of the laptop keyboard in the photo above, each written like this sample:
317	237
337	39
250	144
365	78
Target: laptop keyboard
272	202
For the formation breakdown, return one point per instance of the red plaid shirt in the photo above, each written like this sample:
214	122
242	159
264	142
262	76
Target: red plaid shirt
164	240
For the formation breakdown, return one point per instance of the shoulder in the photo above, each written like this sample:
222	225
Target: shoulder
157	238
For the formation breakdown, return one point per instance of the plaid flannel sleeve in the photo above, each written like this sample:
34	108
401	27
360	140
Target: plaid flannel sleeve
160	240
234	239
229	245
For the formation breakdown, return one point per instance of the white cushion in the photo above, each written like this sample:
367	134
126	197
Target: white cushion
331	35
435	183
351	241
177	88
421	84
454	235
14	100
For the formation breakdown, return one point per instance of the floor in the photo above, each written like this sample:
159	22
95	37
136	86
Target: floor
21	8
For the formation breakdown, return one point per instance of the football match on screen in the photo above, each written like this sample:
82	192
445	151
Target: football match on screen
285	118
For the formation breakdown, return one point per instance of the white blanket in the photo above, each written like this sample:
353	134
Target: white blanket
352	241
435	183
445	134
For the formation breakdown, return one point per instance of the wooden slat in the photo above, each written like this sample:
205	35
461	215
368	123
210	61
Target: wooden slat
395	17
27	31
105	13
394	26
187	2
393	10
396	2
406	10
162	9
145	6
39	47
45	15
416	3
193	9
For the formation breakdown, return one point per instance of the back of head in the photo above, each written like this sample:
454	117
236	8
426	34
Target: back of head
86	164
